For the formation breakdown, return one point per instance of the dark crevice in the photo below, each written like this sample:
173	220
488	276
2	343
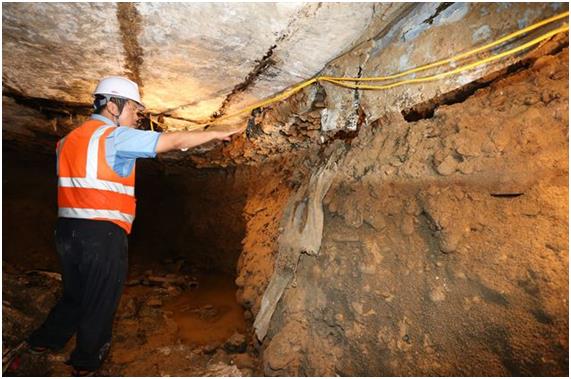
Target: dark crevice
508	195
319	98
426	109
261	67
401	15
428	229
48	107
439	10
357	118
541	316
168	112
42	143
356	96
58	109
130	25
253	128
345	135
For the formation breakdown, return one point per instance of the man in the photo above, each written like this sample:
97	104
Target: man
96	201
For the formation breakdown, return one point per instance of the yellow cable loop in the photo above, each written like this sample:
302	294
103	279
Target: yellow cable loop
340	81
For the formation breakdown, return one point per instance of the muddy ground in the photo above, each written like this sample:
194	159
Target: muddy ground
168	324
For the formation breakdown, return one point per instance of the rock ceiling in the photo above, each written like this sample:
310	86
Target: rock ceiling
193	61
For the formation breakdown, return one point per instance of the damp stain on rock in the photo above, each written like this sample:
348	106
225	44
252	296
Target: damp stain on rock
131	27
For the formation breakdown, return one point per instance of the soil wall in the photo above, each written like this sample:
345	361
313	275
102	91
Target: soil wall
444	248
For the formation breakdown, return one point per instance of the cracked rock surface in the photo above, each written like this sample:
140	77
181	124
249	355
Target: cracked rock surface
187	58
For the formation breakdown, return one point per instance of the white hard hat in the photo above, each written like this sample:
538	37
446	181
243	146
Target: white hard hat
120	87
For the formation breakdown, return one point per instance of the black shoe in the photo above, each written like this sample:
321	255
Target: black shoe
82	372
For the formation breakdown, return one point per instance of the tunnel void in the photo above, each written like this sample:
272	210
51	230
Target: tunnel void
190	213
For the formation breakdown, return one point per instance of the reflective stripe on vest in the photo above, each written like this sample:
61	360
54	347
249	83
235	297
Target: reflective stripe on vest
93	151
89	188
95	213
97	184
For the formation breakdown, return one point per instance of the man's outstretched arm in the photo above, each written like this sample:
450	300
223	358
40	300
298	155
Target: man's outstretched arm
187	140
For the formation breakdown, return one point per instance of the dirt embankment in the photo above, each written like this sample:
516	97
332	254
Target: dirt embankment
445	247
267	197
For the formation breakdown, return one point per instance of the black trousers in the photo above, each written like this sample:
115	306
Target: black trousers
93	257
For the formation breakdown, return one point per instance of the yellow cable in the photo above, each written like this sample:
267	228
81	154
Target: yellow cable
260	104
455	71
387	86
340	81
459	56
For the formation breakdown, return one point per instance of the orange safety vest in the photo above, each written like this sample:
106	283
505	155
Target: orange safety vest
88	188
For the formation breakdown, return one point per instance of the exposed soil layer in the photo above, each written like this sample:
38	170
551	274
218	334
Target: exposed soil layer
445	244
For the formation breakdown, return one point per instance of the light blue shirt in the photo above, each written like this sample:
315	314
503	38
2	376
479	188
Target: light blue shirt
124	145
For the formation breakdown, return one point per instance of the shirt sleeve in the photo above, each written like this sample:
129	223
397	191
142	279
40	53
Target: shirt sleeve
131	143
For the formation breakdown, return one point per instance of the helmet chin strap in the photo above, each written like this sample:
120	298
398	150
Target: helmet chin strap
103	101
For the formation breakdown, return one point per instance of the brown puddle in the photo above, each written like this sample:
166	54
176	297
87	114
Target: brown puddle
209	313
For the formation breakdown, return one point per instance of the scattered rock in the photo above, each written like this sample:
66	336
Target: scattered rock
448	166
388	297
236	344
369	269
547	63
407	226
173	291
133	282
154	302
48	274
128	309
243	360
247	372
468	149
221	369
169	280
210	348
449	241
220	356
466	167
437	294
548	96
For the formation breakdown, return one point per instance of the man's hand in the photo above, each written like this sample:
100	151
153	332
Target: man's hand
225	136
186	140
